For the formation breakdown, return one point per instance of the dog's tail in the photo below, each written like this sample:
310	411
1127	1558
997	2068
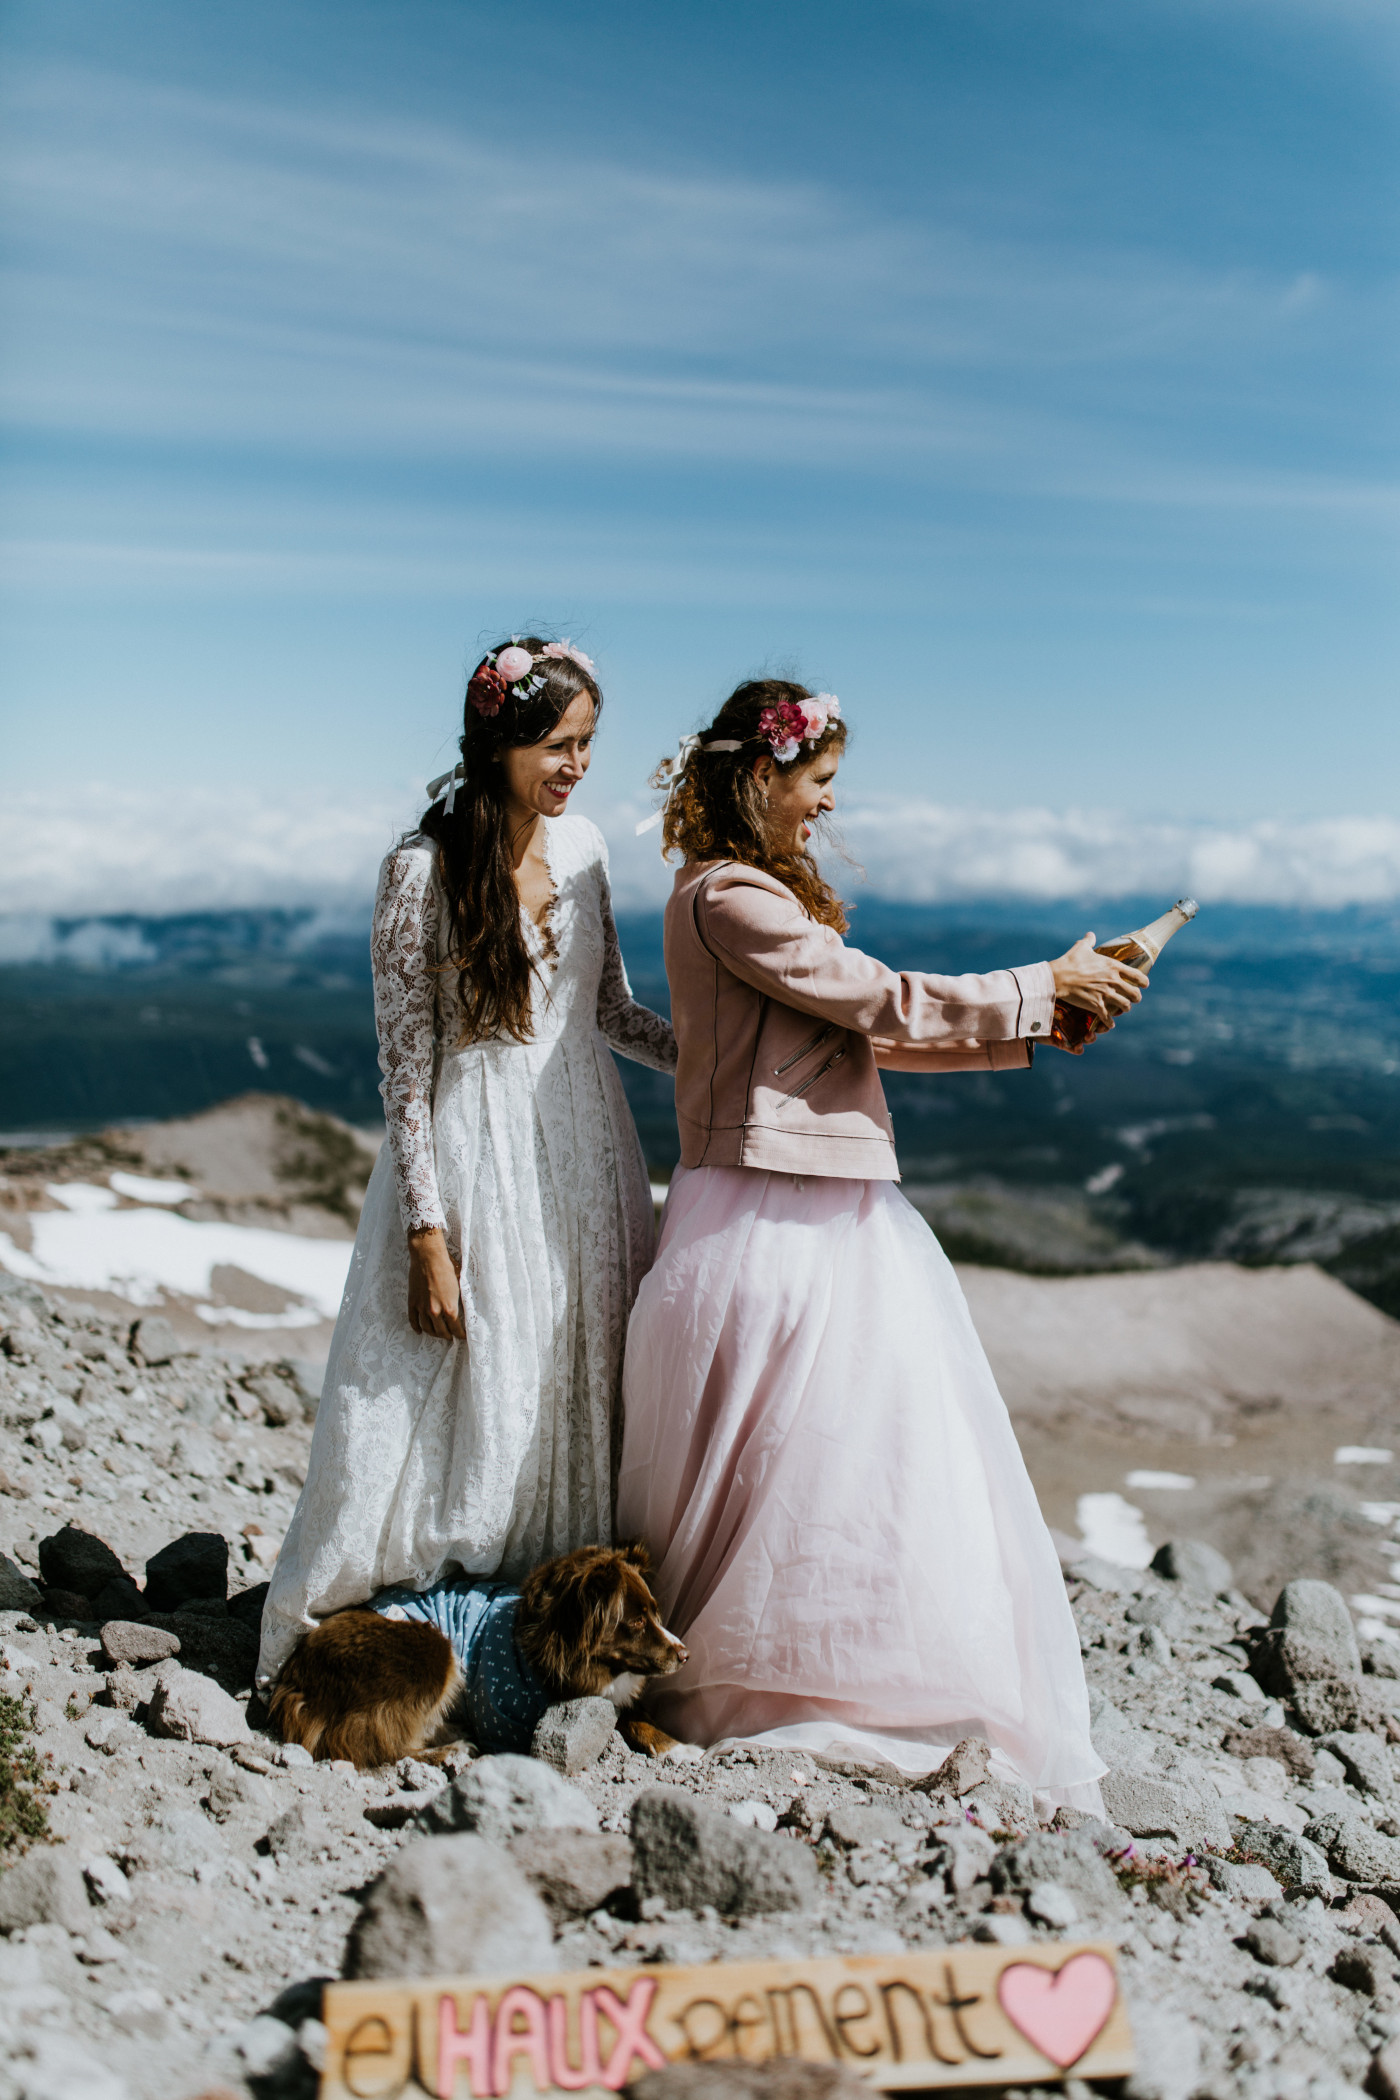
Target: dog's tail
366	1688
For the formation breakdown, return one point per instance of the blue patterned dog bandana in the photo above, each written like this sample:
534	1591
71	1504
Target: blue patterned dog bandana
502	1700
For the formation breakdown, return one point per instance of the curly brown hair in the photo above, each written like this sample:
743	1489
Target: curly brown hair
716	810
486	942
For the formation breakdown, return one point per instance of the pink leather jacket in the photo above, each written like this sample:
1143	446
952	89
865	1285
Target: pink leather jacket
781	1027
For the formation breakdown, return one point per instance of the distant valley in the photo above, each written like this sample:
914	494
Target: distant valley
1250	1111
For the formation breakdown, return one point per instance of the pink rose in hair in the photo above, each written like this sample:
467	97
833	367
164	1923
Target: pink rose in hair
576	656
514	663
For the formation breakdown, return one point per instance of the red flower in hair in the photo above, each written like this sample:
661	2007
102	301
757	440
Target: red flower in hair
486	689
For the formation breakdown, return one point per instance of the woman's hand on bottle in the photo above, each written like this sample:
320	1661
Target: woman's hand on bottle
434	1288
1096	982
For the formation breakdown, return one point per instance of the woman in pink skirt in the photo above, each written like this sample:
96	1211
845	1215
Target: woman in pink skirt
815	1449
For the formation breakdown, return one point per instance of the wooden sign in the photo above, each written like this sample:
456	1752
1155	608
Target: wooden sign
951	2016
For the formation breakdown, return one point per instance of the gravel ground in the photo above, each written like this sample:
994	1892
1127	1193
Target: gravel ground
168	1942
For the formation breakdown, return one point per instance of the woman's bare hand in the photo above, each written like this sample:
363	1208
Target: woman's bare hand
434	1290
1100	985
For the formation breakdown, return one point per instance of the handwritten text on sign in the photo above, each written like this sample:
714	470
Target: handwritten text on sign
967	2015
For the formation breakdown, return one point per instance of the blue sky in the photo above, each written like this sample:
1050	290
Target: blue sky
1023	370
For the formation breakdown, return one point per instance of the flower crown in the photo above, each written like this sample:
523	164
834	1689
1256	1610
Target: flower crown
511	671
789	724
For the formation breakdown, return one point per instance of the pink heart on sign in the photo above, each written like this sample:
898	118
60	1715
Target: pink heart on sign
1061	2012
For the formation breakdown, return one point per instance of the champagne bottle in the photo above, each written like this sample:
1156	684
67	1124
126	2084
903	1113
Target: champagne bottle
1074	1027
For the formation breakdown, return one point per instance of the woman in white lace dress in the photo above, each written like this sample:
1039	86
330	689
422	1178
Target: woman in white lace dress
469	1417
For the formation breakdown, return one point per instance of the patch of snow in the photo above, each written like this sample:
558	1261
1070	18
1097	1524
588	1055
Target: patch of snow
1114	1529
140	1254
1361	1455
1381	1512
234	1316
81	1196
1145	1479
143	1188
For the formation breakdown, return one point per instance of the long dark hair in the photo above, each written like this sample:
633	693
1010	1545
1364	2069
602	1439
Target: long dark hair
486	943
717	811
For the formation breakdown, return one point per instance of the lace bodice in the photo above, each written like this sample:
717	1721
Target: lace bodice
580	983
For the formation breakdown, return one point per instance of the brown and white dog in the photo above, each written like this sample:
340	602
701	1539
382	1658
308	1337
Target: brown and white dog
373	1686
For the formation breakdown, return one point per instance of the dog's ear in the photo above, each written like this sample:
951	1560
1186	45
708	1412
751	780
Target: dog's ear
635	1553
570	1610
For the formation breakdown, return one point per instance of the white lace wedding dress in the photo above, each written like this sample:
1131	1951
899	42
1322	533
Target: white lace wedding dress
490	1455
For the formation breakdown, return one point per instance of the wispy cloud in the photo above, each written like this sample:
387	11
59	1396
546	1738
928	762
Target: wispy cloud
259	274
101	853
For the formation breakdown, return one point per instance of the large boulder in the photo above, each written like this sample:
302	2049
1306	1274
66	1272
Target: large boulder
1315	1612
193	1566
449	1906
78	1563
499	1797
1295	1861
1355	1847
690	1856
223	1649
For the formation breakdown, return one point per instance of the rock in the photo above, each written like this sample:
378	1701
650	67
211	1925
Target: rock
1106	1838
266	2047
1240	1685
1296	1755
1293	1860
1053	1905
1104	1717
967	1852
1001	1804
67	1604
119	1600
1316	1613
296	1836
17	1592
1365	1759
1284	1661
1150	1806
187	1707
867	1823
1196	1566
966	1766
1157	1609
154	1341
279	1397
1332	1703
450	1906
575	1871
139	2012
573	1735
1103	1575
499	1797
46	1887
1355	1847
193	1566
231	1790
756	1815
1366	1968
247	1607
1067	1860
125	1691
1273	1944
1383	2078
128	1642
690	1856
106	1881
52	2066
218	1648
1242	1884
781	2078
79	1562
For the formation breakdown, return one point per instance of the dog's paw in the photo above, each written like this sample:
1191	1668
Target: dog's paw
681	1754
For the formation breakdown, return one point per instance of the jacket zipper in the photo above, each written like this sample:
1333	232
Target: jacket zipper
806	1050
794	1092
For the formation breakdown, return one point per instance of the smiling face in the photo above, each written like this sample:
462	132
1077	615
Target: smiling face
796	799
541	777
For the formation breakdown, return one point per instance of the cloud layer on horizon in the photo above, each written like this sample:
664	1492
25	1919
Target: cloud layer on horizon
102	855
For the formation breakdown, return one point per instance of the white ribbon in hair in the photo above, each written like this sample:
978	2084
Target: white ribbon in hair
451	781
685	751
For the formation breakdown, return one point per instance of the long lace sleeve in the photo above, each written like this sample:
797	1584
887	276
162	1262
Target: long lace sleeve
403	952
633	1031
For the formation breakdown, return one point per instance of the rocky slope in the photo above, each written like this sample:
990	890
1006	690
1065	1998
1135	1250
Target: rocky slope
167	1937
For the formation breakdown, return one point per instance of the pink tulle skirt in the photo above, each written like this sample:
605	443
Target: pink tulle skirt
843	1528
